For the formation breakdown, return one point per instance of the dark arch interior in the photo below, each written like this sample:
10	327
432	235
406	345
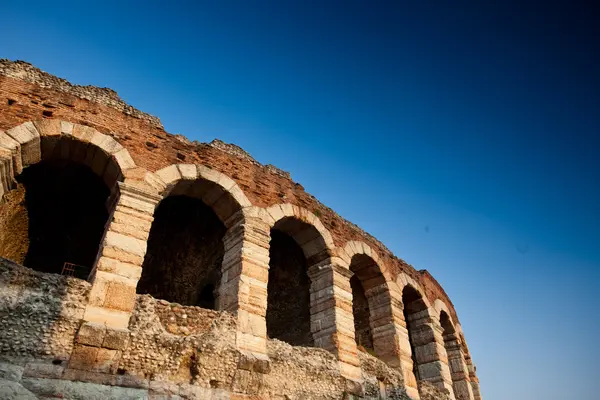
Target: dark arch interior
288	292
67	214
360	309
413	304
446	323
184	254
367	275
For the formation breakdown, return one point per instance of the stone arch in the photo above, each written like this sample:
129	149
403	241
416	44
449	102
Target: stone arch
298	241
219	192
428	355
314	239
373	303
39	156
198	205
459	371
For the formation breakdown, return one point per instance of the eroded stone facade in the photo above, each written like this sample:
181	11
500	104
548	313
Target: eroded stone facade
267	258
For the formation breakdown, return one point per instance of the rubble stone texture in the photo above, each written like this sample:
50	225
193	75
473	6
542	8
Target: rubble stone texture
260	291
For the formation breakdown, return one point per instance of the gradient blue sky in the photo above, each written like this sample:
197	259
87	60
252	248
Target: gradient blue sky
464	136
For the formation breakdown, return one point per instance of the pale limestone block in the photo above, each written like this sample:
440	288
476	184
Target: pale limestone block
225	182
116	253
120	296
188	171
110	318
136	204
249	342
48	127
129	230
143	224
83	133
66	128
169	175
276	212
125	243
91	334
351	372
306	216
237	193
126	270
98	292
110	277
10	144
134	212
287	209
208	173
252	324
106	143
124	159
155	181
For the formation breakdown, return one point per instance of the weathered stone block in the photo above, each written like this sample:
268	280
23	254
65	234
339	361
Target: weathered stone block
107	361
43	370
116	339
112	318
91	334
254	362
83	357
11	372
120	296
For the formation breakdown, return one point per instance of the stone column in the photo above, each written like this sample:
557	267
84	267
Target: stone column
474	379
331	318
430	354
114	279
461	380
243	289
390	336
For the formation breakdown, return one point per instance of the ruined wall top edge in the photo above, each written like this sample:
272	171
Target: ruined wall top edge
25	71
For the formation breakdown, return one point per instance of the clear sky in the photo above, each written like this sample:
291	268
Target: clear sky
464	135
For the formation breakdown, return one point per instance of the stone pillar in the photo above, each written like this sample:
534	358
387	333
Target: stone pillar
104	333
461	380
430	354
331	318
243	289
390	336
474	379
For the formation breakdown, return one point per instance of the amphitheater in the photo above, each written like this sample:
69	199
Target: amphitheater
135	263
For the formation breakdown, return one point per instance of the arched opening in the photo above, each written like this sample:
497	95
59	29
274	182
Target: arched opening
54	220
185	246
414	306
360	310
288	290
367	276
448	329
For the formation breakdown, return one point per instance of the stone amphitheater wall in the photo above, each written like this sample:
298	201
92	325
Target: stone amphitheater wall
119	335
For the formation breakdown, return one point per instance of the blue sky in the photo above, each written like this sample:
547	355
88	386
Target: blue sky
464	136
